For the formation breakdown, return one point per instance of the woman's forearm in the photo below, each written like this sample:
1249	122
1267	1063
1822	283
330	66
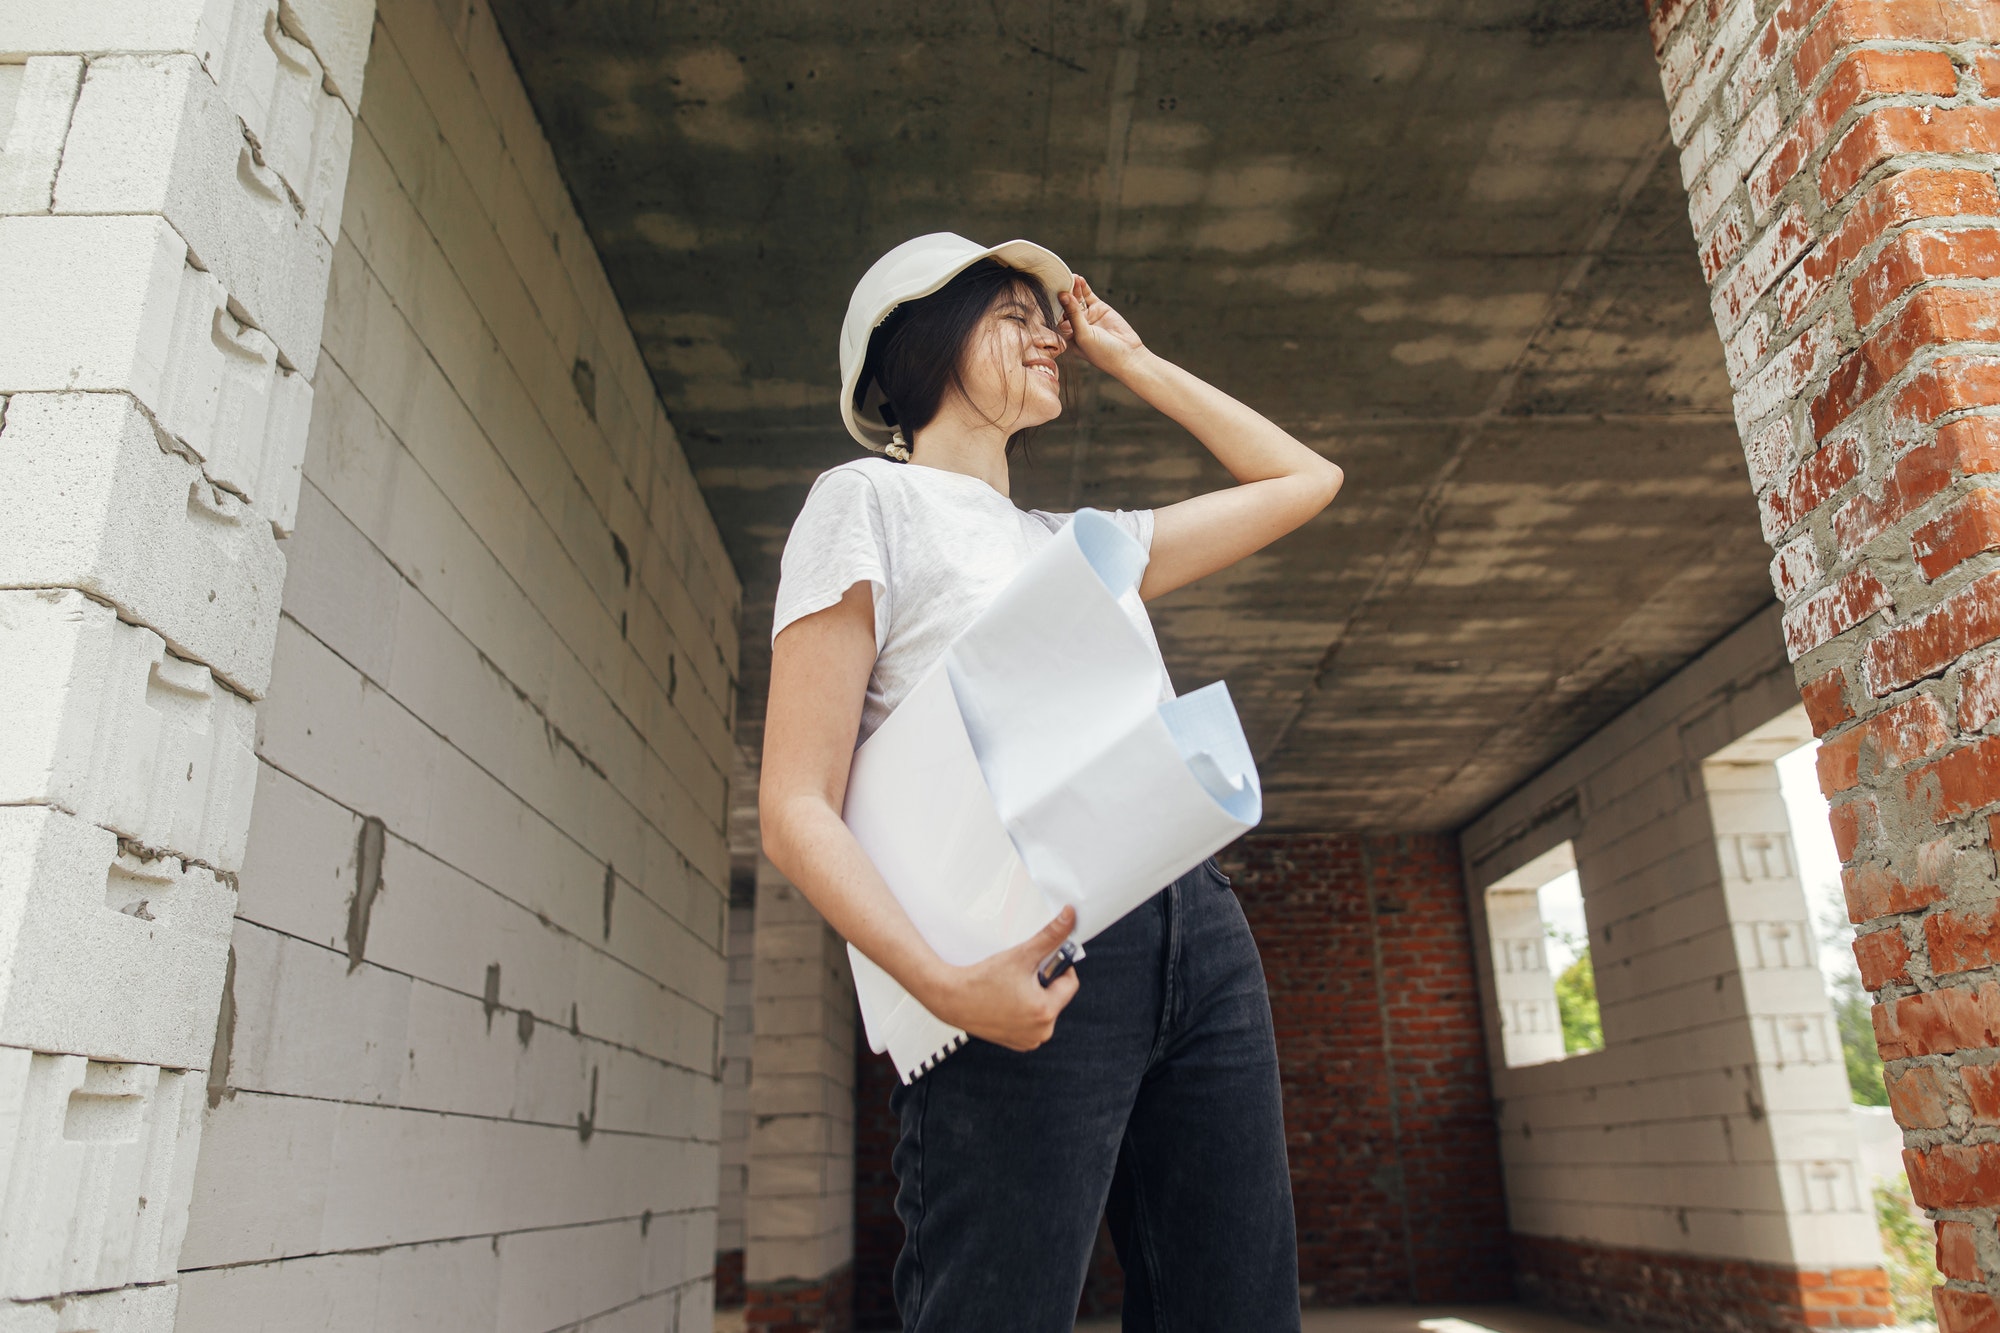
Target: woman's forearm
820	666
1243	440
810	845
1280	482
997	998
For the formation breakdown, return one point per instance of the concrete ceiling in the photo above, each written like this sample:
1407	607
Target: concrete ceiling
1442	241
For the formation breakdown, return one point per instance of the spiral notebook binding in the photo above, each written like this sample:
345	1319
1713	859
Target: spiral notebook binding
934	1059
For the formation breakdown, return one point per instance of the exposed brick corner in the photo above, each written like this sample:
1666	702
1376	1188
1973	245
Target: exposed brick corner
1653	1290
1840	157
824	1305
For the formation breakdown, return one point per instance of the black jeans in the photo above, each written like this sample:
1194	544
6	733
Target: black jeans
1155	1104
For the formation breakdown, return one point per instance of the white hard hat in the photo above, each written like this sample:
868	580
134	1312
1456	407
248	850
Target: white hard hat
913	269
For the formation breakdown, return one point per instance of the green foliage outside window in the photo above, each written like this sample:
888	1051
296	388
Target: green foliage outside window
1907	1252
1576	1001
1857	1041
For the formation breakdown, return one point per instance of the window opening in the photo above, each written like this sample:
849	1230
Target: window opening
1543	977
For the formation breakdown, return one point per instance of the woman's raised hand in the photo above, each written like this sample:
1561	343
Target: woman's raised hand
1096	330
1000	1000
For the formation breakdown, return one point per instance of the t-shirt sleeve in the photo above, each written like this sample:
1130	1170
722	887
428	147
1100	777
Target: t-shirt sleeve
837	541
1136	523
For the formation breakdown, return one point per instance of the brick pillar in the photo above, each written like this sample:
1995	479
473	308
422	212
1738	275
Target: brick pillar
1839	157
799	1204
171	176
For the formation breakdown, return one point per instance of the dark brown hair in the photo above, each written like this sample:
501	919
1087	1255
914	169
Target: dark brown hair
917	354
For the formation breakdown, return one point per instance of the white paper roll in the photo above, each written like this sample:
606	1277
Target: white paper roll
1036	766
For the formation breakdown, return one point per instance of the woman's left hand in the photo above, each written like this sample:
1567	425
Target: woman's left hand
1097	331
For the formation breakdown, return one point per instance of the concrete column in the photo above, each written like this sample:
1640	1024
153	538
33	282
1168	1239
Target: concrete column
171	175
799	1210
1838	158
1797	1072
1524	987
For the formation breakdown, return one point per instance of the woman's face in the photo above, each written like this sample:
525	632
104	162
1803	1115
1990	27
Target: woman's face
1010	370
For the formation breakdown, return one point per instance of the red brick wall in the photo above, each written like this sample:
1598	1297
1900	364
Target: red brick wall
729	1279
1646	1289
824	1306
1388	1106
1388	1103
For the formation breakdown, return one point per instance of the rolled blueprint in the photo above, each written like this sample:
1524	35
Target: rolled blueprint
1036	765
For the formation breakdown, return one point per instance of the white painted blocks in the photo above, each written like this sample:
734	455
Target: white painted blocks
153	413
548	1278
521	1283
299	1176
257	434
96	1162
139	318
1530	1024
363	747
113	286
486	706
36	27
130	1310
413	1044
153	135
35	103
106	952
99	505
798	1206
339	32
273	81
414	1289
432	922
104	722
269	61
447	516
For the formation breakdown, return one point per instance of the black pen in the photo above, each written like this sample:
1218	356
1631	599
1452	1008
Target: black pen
1058	963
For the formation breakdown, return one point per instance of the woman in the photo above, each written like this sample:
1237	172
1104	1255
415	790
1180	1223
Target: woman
1143	1084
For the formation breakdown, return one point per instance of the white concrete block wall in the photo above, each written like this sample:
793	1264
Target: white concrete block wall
103	721
1715	1121
156	135
1524	987
105	509
470	1073
111	952
799	1209
1802	1075
37	98
169	173
110	1141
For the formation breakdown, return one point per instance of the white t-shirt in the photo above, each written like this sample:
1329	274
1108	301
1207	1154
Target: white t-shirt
935	546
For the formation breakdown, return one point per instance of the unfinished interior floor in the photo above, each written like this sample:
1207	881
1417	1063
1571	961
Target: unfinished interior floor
1394	1319
1375	1319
